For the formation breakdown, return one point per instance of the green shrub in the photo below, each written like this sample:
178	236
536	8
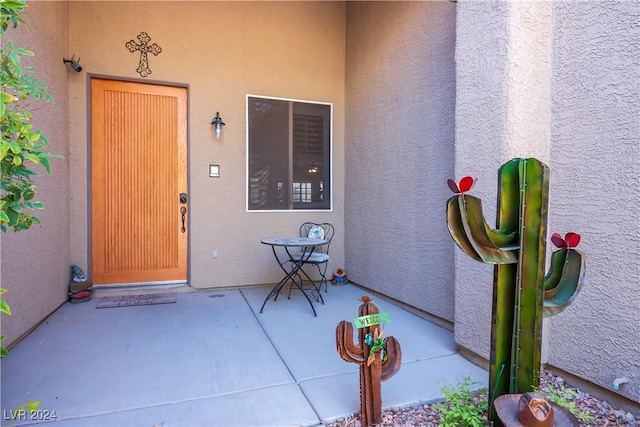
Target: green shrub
21	146
462	407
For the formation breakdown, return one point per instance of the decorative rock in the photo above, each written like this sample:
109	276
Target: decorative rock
600	412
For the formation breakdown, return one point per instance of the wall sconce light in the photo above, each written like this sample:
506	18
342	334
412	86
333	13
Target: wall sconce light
75	65
217	125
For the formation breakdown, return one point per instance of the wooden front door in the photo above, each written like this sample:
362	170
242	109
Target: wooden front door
139	197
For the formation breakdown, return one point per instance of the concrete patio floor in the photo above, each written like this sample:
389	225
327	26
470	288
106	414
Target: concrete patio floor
211	359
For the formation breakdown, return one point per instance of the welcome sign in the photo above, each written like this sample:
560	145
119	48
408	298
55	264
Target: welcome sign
371	320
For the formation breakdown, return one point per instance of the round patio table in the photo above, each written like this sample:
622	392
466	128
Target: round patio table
306	246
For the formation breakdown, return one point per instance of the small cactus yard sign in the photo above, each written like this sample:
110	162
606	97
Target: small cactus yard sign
379	358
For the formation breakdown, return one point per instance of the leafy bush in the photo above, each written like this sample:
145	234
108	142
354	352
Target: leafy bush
462	407
4	308
21	146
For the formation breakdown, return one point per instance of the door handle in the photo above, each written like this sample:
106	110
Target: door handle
183	211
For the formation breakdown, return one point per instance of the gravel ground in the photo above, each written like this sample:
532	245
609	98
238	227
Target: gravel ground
600	412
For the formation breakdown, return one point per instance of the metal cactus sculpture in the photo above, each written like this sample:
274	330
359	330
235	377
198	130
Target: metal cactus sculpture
522	293
379	358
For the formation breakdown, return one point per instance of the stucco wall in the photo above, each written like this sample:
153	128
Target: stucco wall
400	113
35	265
559	81
223	51
502	112
595	162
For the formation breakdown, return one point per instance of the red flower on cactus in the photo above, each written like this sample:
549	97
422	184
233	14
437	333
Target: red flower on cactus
465	185
571	240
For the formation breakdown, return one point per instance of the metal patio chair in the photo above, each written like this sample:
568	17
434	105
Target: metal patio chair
320	256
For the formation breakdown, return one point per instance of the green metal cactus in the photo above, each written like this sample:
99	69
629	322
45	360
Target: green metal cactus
379	360
522	293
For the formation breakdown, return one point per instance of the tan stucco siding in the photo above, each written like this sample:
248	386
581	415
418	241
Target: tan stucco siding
502	112
595	165
400	111
222	51
558	81
35	264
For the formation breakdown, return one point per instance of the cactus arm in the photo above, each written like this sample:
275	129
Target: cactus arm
456	229
527	328
476	229
567	288
347	350
502	239
394	358
554	274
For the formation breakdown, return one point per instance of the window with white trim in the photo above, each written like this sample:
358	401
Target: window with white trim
288	154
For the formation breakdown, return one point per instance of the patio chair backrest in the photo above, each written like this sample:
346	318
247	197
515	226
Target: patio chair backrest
318	231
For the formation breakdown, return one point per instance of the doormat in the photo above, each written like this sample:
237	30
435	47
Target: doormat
135	300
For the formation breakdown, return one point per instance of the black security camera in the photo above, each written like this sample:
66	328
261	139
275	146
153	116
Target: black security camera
75	65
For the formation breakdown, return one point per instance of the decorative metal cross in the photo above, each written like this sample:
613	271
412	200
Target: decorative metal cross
144	48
